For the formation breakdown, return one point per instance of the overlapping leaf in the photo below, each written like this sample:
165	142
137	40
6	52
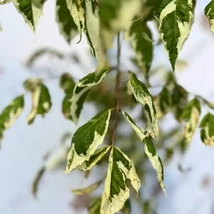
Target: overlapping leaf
77	11
94	159
86	140
85	15
207	129
149	148
143	96
41	99
175	21
10	114
81	91
209	12
65	21
67	84
116	192
31	10
191	114
141	40
155	161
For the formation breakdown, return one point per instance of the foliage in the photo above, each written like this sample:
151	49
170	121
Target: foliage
96	142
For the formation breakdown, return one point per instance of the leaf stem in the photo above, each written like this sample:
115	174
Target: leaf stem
117	88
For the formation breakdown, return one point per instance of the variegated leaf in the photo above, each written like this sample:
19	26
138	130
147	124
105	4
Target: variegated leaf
77	11
87	189
175	21
209	12
140	133
92	32
86	140
140	37
65	21
31	10
116	16
10	114
143	96
94	159
191	114
155	161
41	99
81	91
116	192
207	129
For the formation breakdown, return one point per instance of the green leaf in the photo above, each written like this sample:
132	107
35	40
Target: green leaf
94	159
179	98
67	84
140	133
147	209
116	192
209	12
31	10
116	16
10	114
41	99
150	8
207	129
67	26
88	189
163	102
86	140
2	2
155	161
191	114
94	207
143	96
92	32
37	180
175	21
0	28
140	37
41	52
127	207
81	91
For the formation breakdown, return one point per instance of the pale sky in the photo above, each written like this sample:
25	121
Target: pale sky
23	149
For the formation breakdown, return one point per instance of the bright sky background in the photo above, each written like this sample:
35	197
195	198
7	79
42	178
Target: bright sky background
23	146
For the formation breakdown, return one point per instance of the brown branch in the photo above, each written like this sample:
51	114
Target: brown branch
117	89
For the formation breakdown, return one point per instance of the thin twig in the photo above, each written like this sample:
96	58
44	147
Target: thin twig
117	88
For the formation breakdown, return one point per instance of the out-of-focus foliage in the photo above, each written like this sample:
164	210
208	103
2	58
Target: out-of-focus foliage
129	151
